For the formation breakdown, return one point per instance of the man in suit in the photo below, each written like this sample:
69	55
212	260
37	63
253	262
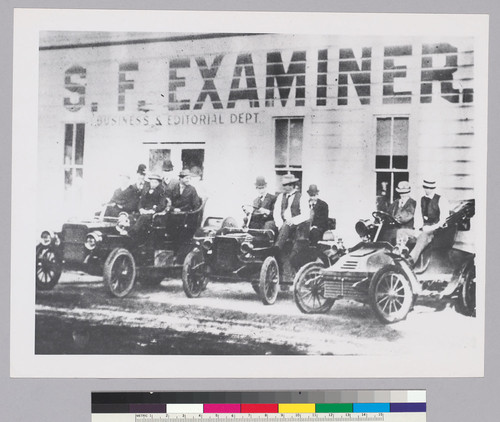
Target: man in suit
403	211
184	196
431	215
319	215
124	199
169	182
261	211
153	201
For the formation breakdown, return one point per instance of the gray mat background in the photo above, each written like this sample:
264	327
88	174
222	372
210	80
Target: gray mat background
57	400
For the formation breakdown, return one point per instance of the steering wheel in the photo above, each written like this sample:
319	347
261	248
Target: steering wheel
384	216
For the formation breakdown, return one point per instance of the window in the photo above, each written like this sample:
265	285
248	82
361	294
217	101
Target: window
391	162
289	136
74	140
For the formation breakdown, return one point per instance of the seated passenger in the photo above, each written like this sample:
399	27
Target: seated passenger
261	211
152	201
184	196
124	199
403	211
169	182
318	217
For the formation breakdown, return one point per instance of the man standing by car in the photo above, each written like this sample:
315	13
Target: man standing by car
319	215
184	196
261	211
291	213
430	215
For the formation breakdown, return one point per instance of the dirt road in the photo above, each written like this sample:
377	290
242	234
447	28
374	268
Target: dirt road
80	316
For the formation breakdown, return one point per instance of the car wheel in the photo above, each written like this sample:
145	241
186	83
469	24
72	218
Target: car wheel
309	290
48	268
391	294
269	281
466	300
119	272
193	274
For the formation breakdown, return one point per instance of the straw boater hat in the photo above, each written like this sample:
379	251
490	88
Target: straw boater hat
288	179
184	173
260	182
313	190
429	183
154	176
403	187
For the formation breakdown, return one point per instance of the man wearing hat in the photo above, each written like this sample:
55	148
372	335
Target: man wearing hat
124	199
262	207
152	201
403	211
184	196
430	215
169	182
291	212
319	215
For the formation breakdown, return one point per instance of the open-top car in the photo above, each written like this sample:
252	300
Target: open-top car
100	246
242	254
373	273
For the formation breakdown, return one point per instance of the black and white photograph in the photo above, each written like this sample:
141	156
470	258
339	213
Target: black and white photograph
254	194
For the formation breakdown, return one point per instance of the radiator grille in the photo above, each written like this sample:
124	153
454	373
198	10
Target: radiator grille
226	250
340	284
73	239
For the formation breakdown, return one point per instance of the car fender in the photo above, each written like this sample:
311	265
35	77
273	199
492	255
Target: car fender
403	264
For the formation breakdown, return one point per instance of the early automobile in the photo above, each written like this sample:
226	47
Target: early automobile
242	254
100	246
373	273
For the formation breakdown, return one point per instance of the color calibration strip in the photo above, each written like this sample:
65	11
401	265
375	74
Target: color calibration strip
350	405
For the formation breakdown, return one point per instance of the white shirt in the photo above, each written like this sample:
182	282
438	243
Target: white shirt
300	218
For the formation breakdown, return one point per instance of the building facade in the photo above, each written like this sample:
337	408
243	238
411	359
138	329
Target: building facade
350	114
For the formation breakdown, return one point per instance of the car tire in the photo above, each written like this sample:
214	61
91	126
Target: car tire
391	294
193	274
269	281
119	272
309	290
48	267
466	301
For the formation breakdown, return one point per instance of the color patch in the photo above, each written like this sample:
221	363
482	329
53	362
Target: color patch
259	408
297	408
408	407
184	408
221	408
333	407
148	408
371	408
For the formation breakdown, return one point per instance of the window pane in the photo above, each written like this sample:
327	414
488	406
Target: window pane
281	149
400	161
79	173
68	178
79	143
156	159
68	145
400	136
296	138
382	161
384	136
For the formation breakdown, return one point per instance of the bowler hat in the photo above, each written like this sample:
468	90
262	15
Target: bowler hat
168	166
313	190
141	169
260	182
288	179
184	173
429	183
403	187
155	177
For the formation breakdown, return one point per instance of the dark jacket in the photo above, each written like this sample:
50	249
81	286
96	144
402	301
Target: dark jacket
153	199
258	220
319	214
188	200
168	188
404	215
430	210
